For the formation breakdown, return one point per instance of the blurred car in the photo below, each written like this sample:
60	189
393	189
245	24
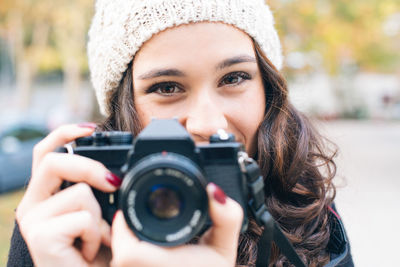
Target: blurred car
16	143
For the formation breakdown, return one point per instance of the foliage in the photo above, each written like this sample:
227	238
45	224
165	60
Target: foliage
337	32
342	32
46	33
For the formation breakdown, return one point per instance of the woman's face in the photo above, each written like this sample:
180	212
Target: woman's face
204	74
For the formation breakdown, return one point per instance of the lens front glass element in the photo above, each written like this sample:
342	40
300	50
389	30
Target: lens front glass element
164	202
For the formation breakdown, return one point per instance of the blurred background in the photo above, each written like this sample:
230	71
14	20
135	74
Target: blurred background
342	63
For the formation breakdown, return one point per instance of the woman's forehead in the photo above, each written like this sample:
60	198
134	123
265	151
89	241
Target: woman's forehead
195	41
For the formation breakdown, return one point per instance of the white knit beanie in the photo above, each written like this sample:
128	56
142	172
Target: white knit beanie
120	27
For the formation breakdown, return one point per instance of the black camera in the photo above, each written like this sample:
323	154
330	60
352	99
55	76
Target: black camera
164	174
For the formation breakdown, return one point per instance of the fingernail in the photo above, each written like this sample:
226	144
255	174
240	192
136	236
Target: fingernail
113	179
115	215
218	194
90	125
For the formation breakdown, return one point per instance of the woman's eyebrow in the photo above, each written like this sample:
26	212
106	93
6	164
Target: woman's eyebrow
235	60
161	72
175	72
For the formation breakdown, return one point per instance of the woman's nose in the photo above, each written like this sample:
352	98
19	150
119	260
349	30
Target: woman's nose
204	118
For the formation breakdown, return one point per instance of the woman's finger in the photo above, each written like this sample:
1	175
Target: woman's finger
121	233
128	250
227	217
105	230
75	198
59	137
90	234
72	200
218	246
124	244
52	240
57	167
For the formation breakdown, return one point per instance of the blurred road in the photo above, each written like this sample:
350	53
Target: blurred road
368	197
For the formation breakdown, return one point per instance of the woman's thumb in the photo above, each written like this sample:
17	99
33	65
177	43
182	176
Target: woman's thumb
227	217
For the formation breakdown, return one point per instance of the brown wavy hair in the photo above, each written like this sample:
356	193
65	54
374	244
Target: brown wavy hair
294	160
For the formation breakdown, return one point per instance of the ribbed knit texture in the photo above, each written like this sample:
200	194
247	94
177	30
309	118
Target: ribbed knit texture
120	27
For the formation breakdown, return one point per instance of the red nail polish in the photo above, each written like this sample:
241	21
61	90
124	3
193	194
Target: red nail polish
113	179
219	195
115	215
90	125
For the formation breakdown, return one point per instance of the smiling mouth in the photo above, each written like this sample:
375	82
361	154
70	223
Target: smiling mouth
202	142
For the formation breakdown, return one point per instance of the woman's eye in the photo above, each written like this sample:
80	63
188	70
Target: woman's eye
166	89
234	78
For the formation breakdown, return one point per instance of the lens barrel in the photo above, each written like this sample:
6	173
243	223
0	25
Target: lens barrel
164	200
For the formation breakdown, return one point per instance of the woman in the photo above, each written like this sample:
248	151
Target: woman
212	65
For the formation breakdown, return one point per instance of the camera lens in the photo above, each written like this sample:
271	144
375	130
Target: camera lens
164	202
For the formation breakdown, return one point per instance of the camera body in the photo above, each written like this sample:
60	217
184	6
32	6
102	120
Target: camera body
164	174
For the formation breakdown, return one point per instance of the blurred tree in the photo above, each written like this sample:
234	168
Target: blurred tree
70	30
26	30
335	36
43	36
341	38
342	32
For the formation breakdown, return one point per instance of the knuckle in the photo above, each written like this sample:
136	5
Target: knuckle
48	160
34	235
31	231
23	225
92	168
96	165
41	147
84	193
37	149
20	212
84	190
87	218
61	129
99	165
87	176
39	238
45	166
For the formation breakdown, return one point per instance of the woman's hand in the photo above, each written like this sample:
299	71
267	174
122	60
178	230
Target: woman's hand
64	228
217	247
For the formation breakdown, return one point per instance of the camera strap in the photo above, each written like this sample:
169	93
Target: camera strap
271	232
338	244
